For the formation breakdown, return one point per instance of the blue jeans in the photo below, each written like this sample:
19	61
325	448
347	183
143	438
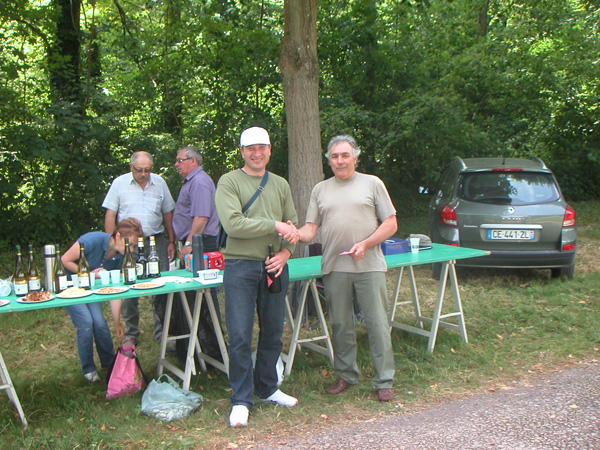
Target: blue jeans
90	324
245	283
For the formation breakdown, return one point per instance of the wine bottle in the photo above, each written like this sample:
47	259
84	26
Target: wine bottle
20	281
83	269
128	266
275	284
153	262
141	265
60	274
33	273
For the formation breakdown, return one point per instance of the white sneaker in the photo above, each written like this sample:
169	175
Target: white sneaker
281	399
92	377
238	416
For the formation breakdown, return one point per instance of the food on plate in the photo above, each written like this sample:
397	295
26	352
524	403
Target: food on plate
146	285
73	292
111	290
37	296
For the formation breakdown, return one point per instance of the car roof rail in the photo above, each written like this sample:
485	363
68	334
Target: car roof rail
537	159
460	162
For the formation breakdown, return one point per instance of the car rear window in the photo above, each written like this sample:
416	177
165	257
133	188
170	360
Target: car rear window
508	188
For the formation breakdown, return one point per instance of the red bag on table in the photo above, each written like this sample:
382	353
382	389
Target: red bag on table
212	260
215	260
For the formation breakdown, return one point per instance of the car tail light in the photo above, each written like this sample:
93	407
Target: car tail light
448	216
569	219
568	247
506	169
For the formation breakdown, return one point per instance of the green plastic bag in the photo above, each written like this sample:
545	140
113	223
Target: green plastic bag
166	401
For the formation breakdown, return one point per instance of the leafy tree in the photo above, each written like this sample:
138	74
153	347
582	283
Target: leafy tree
85	83
300	72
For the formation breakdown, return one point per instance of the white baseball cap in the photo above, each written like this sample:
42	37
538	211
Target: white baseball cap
253	136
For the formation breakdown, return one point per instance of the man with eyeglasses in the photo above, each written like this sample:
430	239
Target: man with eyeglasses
195	213
145	196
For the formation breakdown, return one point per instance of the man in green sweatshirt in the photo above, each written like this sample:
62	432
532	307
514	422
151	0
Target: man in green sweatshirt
246	266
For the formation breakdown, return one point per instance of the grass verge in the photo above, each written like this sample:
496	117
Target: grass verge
520	323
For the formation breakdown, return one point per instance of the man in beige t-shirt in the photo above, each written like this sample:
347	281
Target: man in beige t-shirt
355	214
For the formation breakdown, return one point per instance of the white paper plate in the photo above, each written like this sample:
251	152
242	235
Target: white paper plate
4	301
66	297
148	285
22	300
173	279
118	290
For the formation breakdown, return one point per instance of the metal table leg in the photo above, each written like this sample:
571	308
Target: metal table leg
10	390
310	343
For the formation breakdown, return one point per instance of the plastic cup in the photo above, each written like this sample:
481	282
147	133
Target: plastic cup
115	276
414	245
92	279
5	288
104	277
75	279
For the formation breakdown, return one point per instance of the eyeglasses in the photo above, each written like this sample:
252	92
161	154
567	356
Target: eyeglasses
141	170
180	160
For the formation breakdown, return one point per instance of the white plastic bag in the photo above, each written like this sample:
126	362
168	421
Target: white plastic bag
166	401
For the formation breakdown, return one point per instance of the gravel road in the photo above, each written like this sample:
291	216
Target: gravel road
556	411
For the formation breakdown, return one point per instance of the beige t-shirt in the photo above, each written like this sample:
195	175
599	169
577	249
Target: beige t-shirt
347	212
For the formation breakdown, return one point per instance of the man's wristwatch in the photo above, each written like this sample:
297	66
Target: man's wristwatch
187	244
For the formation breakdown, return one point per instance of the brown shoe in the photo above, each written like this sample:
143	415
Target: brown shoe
385	394
338	386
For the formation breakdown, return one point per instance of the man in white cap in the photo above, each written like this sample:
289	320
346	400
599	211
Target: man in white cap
246	266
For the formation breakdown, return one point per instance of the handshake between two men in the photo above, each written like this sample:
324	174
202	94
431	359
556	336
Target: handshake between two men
308	232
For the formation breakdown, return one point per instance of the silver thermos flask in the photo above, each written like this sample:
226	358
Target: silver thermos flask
49	260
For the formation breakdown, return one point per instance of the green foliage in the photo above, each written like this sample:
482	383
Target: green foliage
416	82
442	86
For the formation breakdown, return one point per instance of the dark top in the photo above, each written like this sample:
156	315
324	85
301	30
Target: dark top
96	246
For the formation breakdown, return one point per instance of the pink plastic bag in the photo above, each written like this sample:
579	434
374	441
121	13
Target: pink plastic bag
125	377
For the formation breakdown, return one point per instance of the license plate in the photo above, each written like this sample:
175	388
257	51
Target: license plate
523	235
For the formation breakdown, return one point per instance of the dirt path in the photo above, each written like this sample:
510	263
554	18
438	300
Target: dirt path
556	411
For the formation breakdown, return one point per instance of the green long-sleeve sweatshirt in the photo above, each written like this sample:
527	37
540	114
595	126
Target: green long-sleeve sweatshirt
249	234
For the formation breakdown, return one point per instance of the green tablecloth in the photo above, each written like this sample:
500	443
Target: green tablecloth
59	302
300	269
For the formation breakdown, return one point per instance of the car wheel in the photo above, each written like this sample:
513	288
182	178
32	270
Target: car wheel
436	271
567	272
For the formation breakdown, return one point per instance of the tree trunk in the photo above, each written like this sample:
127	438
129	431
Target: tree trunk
65	53
172	100
483	18
299	67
